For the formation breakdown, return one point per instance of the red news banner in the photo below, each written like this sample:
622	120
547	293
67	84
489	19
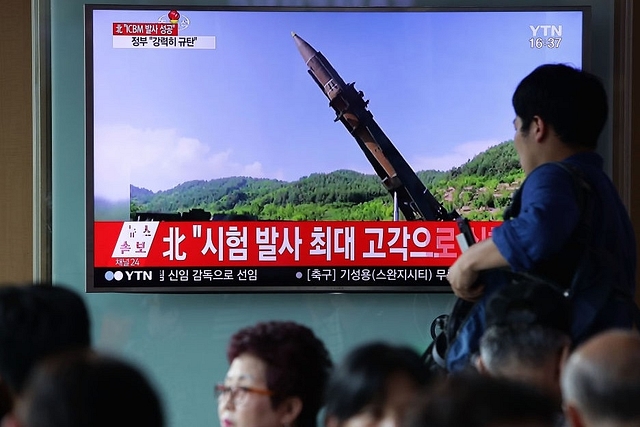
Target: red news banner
279	243
144	29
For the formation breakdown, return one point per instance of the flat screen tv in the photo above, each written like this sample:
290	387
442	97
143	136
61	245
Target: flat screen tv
262	149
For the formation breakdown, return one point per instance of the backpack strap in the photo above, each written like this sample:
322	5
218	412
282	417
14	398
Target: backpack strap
584	196
581	186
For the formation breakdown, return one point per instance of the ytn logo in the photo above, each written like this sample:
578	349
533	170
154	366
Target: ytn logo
131	275
546	30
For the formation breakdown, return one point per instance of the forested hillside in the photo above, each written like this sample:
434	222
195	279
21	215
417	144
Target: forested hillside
479	189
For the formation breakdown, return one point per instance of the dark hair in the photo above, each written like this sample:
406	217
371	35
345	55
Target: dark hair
362	376
529	303
298	364
526	345
480	401
85	389
36	321
572	101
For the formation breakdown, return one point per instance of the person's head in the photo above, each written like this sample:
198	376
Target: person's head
482	401
36	321
560	101
80	388
572	101
601	381
527	337
277	376
374	386
531	354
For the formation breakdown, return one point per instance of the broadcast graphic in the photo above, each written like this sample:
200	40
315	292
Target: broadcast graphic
253	150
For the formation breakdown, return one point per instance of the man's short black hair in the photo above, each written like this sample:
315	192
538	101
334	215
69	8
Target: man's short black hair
572	101
361	378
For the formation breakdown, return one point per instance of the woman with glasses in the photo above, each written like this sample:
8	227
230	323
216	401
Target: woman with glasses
374	386
276	378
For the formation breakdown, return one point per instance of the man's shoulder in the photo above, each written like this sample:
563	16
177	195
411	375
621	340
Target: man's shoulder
555	177
583	166
586	161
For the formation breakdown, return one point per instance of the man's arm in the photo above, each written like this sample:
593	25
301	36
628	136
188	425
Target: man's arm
463	274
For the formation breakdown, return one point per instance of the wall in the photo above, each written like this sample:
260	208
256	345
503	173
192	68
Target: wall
180	339
15	144
626	111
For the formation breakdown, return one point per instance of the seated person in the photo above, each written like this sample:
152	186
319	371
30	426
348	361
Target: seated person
36	320
374	386
601	381
527	337
276	378
81	388
472	400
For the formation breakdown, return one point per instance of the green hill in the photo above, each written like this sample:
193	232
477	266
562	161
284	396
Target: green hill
478	189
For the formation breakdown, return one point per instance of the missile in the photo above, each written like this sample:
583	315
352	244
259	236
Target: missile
333	86
414	199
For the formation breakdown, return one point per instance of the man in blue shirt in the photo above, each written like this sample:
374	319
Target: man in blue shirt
560	112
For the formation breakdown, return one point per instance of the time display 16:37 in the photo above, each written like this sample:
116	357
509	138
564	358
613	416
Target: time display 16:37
540	42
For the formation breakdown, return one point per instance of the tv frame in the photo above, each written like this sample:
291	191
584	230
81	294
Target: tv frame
248	287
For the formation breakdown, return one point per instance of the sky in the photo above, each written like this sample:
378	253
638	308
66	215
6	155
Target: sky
439	84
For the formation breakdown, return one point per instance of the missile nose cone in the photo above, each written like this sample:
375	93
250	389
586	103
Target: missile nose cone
304	48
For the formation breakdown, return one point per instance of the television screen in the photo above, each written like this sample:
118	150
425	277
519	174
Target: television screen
256	149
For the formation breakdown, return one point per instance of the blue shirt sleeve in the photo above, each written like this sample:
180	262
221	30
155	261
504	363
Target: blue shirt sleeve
548	215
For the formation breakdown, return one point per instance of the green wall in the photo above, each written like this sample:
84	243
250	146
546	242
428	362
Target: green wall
179	340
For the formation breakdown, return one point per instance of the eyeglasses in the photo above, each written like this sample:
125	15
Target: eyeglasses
238	393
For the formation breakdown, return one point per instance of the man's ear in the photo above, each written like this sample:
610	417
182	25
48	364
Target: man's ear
573	416
539	128
480	366
289	409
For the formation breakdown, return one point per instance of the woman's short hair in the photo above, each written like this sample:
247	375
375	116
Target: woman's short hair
298	363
